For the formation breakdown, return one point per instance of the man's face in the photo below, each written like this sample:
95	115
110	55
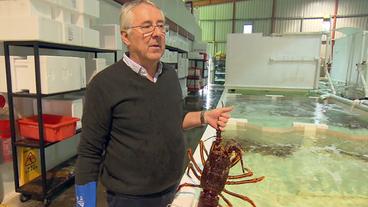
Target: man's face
147	46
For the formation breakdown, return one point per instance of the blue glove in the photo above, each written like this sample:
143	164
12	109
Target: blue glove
86	195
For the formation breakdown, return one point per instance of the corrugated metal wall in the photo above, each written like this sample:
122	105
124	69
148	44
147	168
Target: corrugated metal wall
290	16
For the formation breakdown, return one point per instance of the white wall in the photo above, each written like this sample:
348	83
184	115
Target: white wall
253	60
349	50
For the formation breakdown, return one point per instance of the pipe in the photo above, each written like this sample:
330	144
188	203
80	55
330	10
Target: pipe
330	80
234	15
361	74
334	26
353	104
273	23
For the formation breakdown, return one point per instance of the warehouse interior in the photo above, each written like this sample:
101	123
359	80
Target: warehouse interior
294	72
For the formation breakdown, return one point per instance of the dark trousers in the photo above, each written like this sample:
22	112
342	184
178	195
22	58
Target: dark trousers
162	199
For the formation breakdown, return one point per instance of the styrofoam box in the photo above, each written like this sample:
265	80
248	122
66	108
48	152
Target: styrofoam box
72	34
81	20
194	72
61	15
94	66
68	4
62	106
3	87
182	72
39	8
195	55
30	28
109	36
58	74
90	38
183	83
17	64
83	72
184	92
89	7
194	83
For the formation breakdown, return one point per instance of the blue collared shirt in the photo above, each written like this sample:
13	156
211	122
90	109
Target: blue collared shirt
141	70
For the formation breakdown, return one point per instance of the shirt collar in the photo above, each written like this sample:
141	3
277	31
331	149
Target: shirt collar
140	69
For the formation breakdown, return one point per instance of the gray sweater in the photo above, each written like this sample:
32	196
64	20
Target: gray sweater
132	130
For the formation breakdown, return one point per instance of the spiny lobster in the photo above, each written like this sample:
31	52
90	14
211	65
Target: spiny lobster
215	174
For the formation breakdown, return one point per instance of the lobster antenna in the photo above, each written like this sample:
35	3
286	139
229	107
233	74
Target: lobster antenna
242	164
208	138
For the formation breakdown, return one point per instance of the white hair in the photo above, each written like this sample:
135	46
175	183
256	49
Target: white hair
126	16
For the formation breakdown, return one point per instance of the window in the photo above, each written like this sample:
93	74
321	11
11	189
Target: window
248	28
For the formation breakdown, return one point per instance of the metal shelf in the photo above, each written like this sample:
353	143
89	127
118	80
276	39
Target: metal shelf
193	77
175	49
57	46
57	179
23	142
43	187
34	95
202	60
219	73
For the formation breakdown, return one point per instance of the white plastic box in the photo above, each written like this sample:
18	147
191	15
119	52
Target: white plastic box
58	74
109	36
30	28
62	106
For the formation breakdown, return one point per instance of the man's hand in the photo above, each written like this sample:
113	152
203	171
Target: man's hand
217	118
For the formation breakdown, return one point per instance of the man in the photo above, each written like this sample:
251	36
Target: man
133	120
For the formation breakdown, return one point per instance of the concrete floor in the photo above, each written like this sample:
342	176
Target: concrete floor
206	99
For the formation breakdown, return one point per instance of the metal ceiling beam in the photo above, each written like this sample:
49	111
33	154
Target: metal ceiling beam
212	2
122	1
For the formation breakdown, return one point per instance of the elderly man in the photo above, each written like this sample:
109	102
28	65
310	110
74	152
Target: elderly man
133	120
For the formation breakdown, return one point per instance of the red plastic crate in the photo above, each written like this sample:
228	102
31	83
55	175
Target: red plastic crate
4	129
56	128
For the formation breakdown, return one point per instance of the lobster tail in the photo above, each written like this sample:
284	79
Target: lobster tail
208	199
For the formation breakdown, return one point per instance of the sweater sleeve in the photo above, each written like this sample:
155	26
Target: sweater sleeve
96	121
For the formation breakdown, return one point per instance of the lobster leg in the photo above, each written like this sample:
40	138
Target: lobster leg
254	180
187	185
190	167
248	174
202	149
243	197
191	158
226	200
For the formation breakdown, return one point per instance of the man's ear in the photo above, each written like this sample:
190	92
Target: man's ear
124	38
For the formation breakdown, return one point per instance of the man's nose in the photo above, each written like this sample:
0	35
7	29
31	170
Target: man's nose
156	31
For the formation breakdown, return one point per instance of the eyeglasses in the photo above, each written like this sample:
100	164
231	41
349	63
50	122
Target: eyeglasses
148	29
